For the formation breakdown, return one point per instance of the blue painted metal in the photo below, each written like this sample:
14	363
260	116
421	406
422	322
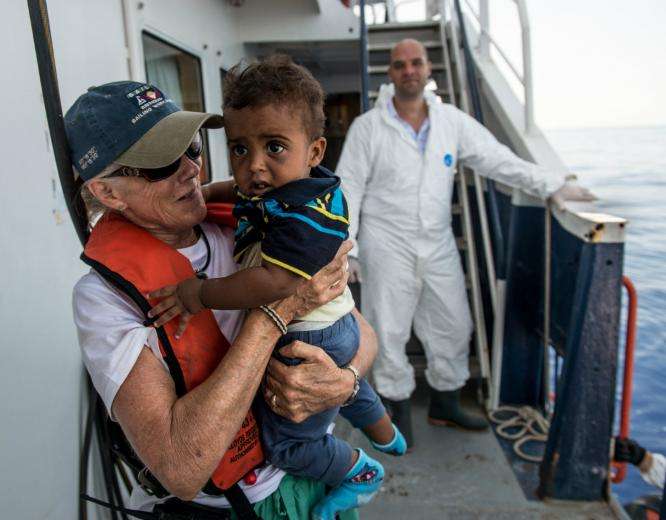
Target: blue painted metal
585	312
576	462
565	261
523	353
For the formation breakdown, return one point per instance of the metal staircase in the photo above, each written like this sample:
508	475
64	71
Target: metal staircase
382	37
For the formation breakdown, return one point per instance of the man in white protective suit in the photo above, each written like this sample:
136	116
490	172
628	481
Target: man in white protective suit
397	168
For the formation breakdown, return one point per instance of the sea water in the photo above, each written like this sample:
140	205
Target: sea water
626	169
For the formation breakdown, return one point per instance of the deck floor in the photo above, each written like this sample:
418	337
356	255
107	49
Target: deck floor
456	474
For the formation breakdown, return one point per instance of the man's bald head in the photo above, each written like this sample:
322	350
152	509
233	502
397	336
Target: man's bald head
409	69
409	45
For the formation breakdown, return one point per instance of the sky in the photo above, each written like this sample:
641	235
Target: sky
597	63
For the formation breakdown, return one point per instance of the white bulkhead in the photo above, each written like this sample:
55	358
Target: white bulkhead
95	41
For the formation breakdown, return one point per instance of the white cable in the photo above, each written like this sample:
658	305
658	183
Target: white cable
530	426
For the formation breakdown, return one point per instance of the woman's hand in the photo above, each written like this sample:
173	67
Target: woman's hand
177	300
326	285
299	391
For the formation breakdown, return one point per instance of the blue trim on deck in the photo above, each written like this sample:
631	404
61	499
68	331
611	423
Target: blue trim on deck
585	317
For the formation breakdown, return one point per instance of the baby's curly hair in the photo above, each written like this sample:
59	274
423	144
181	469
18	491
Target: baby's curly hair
277	80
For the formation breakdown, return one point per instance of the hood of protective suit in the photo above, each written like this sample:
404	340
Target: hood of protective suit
387	91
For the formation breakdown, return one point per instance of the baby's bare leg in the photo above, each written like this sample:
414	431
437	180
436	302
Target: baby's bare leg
380	432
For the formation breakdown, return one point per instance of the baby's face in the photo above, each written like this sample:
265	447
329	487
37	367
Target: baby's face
268	147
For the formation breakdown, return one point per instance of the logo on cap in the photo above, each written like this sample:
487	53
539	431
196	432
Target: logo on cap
88	158
148	96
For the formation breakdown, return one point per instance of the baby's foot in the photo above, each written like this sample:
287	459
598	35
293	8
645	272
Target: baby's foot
359	487
398	446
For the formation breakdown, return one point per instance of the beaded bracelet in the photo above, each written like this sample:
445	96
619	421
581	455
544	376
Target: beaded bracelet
279	322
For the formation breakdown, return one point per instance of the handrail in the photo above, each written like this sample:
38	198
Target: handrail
365	81
628	378
455	65
525	78
493	205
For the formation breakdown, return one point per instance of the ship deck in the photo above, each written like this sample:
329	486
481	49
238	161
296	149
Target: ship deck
463	475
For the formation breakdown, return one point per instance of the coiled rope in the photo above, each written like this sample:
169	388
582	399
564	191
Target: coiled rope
521	424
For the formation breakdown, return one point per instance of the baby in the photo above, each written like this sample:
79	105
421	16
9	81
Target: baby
292	218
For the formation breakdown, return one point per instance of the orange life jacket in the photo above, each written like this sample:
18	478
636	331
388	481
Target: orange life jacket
136	263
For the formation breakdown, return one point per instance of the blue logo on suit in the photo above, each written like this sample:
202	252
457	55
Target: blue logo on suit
448	159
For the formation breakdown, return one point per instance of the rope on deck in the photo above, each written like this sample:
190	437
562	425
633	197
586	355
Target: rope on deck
521	424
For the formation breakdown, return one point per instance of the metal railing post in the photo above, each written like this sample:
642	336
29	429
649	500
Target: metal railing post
484	21
365	105
527	65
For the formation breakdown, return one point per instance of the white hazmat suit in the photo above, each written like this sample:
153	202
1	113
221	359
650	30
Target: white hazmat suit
400	209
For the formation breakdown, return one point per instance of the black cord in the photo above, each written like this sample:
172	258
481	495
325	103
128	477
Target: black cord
105	458
85	450
200	273
132	512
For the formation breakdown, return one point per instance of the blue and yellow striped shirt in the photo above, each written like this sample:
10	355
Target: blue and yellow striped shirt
300	225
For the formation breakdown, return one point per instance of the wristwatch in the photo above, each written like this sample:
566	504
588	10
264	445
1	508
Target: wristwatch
357	383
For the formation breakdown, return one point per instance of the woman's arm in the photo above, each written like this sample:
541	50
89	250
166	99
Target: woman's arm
317	383
182	440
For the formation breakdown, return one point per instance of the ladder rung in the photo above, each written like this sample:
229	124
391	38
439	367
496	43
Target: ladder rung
372	94
375	47
403	26
383	69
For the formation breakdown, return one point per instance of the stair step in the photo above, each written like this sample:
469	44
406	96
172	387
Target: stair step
372	94
376	47
406	26
383	69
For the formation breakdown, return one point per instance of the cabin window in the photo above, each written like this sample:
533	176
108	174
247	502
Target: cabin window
178	74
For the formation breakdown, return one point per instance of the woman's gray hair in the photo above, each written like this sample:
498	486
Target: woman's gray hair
94	208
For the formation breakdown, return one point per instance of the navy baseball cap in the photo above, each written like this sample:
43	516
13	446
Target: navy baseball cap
132	124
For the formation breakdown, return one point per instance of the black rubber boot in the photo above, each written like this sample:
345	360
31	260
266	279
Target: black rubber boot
445	410
401	415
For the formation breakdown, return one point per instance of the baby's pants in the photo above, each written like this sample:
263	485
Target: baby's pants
306	449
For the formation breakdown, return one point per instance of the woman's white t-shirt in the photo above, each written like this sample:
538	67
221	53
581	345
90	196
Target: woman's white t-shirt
112	335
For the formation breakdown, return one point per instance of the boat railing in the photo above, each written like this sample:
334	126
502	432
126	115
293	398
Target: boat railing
486	40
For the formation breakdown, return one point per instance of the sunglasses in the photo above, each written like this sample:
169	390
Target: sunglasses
193	152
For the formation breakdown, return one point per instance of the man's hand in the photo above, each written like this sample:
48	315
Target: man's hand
354	270
571	191
317	384
178	300
326	285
